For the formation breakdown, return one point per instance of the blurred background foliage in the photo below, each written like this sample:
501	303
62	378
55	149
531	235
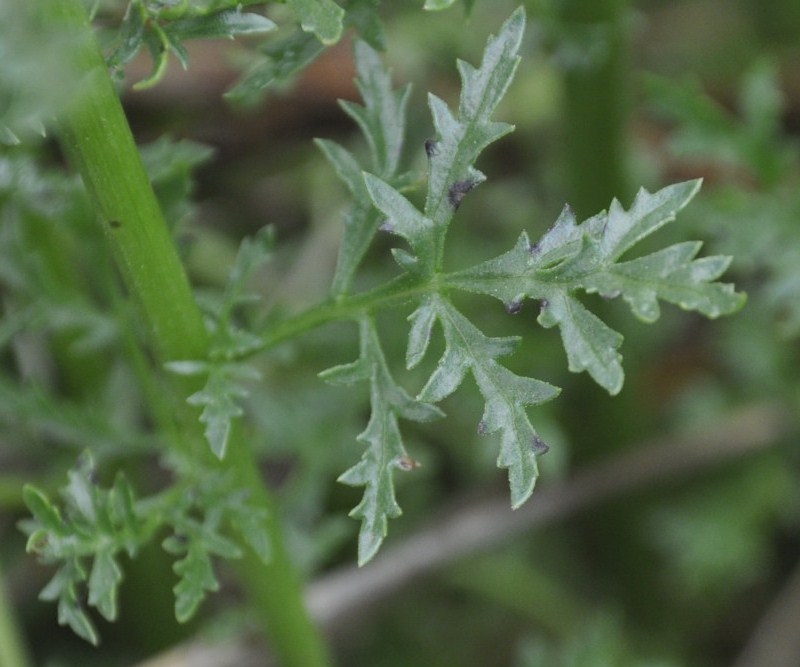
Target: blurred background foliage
610	96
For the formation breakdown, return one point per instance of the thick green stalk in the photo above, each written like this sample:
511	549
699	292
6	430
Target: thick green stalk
99	143
12	649
596	103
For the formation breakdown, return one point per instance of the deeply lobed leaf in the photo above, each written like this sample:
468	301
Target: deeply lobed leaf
382	121
506	395
572	257
385	450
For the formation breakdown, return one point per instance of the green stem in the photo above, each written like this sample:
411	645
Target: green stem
97	139
596	103
12	649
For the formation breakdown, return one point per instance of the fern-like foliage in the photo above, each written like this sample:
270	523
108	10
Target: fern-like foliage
570	257
96	525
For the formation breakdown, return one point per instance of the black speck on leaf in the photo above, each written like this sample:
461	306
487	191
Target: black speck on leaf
514	307
114	224
457	192
539	446
431	147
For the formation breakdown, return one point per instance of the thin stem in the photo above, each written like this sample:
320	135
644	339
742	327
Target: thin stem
391	294
97	139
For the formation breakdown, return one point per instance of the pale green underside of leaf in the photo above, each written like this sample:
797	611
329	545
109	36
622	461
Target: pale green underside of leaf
382	121
460	140
572	257
385	450
506	395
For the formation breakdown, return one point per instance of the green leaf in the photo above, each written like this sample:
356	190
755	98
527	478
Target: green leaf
403	218
44	511
251	522
281	61
63	587
506	395
104	581
230	341
220	401
363	16
131	36
196	580
572	257
382	121
321	17
460	140
385	450
227	23
590	344
453	152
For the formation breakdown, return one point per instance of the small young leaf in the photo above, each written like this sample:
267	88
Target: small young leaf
103	584
219	398
196	580
63	587
44	511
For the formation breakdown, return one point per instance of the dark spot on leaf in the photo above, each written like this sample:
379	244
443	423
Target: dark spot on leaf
482	428
459	190
539	446
513	307
114	224
431	147
534	248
